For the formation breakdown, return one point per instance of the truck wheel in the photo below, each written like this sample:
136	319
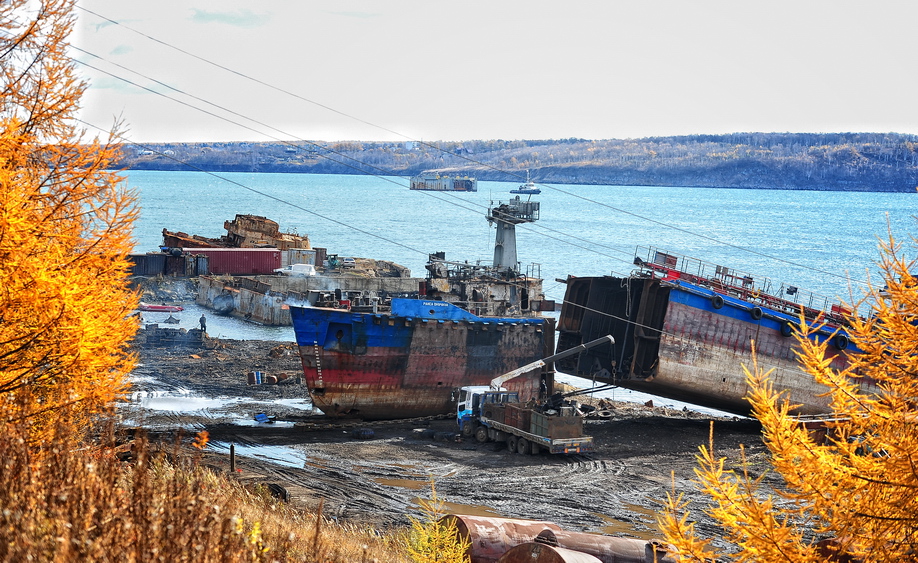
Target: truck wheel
481	434
468	429
511	443
522	446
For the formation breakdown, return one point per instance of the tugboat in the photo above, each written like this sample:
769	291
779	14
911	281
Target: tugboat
528	188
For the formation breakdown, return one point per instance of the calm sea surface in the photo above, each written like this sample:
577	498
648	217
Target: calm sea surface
817	241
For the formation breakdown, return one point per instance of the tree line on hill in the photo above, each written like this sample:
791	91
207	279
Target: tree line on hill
881	162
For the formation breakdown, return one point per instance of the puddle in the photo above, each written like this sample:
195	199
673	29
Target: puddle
464	509
281	455
301	404
183	403
403	483
643	527
255	424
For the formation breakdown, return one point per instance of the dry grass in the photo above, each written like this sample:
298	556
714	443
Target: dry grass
67	503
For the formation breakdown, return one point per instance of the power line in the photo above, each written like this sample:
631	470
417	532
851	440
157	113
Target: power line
463	157
359	166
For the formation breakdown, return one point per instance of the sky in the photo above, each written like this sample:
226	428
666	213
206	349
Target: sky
377	70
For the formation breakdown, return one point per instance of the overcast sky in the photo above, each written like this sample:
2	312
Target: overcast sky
491	69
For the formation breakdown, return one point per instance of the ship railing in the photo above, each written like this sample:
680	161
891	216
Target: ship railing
534	270
788	299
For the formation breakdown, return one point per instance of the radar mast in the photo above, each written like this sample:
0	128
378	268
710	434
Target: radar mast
507	216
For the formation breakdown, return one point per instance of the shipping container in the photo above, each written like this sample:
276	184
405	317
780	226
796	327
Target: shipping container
321	254
239	261
202	265
176	266
298	256
151	264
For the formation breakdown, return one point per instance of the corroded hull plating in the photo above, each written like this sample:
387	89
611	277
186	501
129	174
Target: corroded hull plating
381	366
685	342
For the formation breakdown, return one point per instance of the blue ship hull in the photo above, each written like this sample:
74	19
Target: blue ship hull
409	363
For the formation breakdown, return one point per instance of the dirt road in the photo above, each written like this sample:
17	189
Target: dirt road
640	451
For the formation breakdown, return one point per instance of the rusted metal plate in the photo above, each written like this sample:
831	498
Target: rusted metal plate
609	549
492	537
541	553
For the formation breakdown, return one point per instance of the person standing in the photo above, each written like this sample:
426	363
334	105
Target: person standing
203	321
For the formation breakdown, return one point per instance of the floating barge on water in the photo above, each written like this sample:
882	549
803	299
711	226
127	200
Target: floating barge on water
438	183
472	323
683	329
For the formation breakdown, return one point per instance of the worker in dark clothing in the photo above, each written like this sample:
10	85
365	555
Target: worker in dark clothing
203	320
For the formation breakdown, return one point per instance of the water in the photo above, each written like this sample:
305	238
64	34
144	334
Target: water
814	240
219	326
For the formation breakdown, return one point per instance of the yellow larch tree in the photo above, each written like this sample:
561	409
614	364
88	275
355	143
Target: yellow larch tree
852	496
65	232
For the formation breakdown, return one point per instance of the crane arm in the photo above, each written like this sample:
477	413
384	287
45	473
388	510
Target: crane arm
497	381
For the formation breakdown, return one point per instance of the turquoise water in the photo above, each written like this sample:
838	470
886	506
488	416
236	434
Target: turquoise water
817	241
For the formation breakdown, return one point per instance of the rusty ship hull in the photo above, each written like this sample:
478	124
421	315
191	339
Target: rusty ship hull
686	337
409	362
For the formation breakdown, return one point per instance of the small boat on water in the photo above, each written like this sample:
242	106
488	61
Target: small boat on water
683	330
528	188
159	308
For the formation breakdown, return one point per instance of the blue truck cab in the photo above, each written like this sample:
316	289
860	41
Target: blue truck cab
471	398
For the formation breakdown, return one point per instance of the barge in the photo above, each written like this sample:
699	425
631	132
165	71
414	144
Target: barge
438	183
683	329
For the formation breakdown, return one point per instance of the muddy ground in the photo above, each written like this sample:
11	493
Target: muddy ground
640	450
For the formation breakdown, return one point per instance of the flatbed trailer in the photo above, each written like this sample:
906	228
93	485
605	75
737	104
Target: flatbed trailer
524	442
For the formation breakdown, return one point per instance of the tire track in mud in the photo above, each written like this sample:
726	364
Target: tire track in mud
377	481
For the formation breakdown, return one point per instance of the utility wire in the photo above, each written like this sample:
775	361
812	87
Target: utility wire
359	166
466	158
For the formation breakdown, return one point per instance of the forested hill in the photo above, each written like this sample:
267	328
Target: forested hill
839	161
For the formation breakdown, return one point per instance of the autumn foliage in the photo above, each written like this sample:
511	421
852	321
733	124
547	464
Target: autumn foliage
435	538
137	502
852	496
65	231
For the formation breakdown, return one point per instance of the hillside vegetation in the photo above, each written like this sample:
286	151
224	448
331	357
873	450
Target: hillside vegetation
882	162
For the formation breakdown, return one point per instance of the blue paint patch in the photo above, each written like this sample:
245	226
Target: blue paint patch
702	298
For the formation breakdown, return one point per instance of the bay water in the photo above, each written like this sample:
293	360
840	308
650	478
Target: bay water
823	242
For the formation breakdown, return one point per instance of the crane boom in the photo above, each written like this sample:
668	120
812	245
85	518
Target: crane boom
499	380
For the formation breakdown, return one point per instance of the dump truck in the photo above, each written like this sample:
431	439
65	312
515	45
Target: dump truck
491	413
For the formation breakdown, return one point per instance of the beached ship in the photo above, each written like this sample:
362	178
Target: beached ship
245	231
683	328
445	183
408	358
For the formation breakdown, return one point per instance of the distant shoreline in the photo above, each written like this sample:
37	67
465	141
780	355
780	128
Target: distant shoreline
859	162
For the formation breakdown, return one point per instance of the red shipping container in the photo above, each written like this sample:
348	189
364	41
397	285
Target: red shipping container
239	261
